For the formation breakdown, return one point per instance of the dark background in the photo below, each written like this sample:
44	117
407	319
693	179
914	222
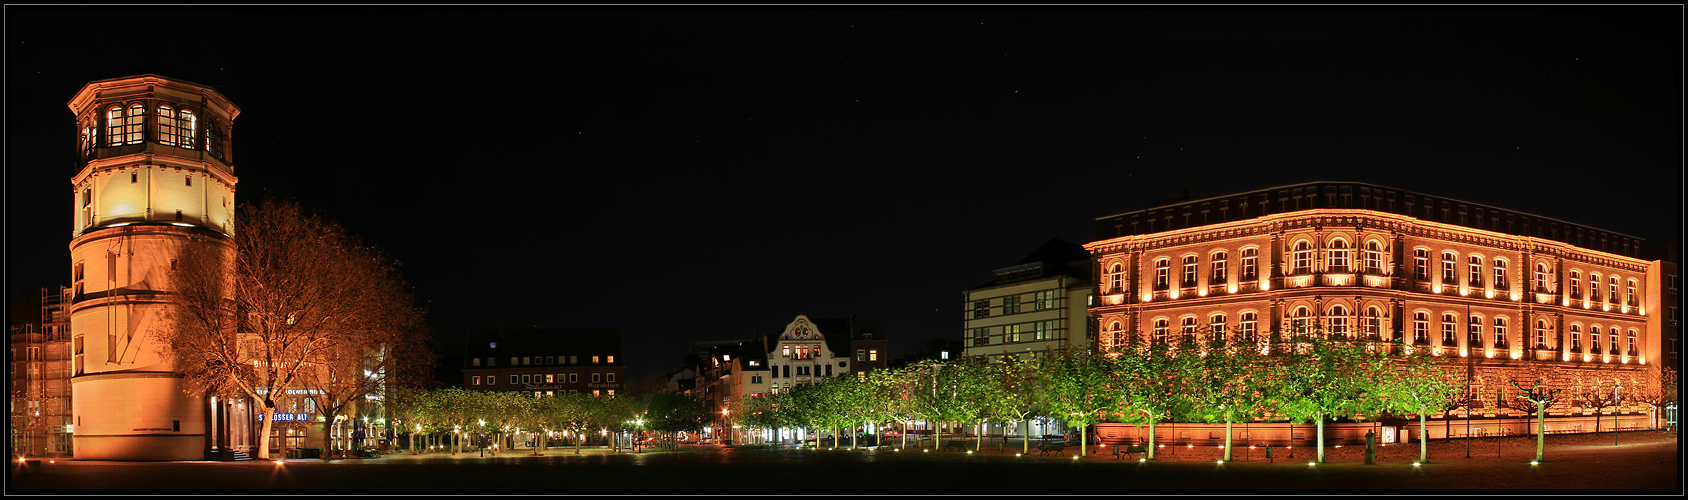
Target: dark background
704	174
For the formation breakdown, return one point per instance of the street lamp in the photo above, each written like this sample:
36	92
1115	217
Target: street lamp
1615	414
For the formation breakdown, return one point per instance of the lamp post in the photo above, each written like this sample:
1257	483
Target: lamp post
1615	414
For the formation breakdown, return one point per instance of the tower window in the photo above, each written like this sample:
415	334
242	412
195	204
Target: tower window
167	125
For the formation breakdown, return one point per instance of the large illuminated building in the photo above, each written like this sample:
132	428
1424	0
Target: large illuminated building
1505	290
153	172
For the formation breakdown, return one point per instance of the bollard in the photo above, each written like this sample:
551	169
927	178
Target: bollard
1269	454
1371	452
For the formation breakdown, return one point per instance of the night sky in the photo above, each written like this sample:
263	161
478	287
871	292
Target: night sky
711	173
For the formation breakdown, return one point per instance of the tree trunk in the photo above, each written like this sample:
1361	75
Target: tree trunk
327	441
979	438
1423	439
264	435
1026	439
1151	438
905	434
1320	426
1541	428
1227	438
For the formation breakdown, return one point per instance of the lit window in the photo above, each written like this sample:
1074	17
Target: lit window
1629	294
785	351
1374	323
549	378
1301	261
1163	269
1632	341
167	125
1448	335
1576	338
1298	321
1160	329
1216	267
1251	256
1374	257
1448	276
1246	325
1217	324
1576	281
1421	264
609	359
476	380
187	127
1338	256
132	131
1593	286
1011	333
1500	273
1613	297
1541	334
1189	270
1474	270
873	355
1116	277
1594	338
1474	332
594	360
1338	321
861	354
1500	331
1421	328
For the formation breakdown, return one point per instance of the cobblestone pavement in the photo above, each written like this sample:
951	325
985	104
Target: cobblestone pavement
1640	462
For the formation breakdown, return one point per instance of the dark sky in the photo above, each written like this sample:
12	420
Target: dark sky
708	173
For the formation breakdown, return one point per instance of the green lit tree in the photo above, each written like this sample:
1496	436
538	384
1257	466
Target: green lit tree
1419	383
672	413
1013	396
1222	383
1079	388
1319	378
1147	393
1539	396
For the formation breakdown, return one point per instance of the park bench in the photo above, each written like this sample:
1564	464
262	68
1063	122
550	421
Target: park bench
1123	451
1056	447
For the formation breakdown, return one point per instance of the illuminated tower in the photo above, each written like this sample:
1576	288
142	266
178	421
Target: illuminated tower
153	173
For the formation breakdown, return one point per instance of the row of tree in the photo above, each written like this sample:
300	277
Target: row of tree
1313	378
444	417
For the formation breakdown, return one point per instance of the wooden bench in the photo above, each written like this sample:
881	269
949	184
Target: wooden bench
1122	451
1056	447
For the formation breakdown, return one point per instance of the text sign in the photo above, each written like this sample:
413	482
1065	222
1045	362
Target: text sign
288	417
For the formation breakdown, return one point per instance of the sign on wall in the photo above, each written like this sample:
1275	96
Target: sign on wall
287	417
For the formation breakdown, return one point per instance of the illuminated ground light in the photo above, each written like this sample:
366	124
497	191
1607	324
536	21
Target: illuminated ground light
1532	462
1221	462
278	462
1016	454
1310	463
969	452
1075	457
924	451
1416	464
1142	460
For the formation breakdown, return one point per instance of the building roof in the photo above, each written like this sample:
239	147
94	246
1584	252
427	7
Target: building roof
1055	258
580	342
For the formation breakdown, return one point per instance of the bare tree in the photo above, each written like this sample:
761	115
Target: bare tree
1657	388
1597	395
296	304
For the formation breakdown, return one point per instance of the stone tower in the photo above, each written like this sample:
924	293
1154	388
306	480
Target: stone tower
154	172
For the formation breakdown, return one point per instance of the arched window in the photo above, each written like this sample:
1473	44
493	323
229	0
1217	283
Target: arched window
1474	334
1541	334
1576	338
1338	256
187	126
1189	270
1160	329
1338	319
1299	321
114	126
1421	264
1576	284
1115	337
1631	349
167	125
1613	297
1246	326
1448	323
1217	323
1163	267
1594	339
1188	328
1594	287
1541	277
1629	294
1217	267
1251	257
1373	323
1474	270
1500	274
1421	328
1448	276
1302	258
1500	331
132	131
1374	257
1116	277
1612	334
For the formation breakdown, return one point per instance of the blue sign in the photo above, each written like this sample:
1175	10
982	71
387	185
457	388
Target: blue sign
288	417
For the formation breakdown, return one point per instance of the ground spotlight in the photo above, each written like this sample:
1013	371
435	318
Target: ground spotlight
1532	462
1221	462
278	461
1075	457
1415	464
1142	460
1309	463
1016	454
